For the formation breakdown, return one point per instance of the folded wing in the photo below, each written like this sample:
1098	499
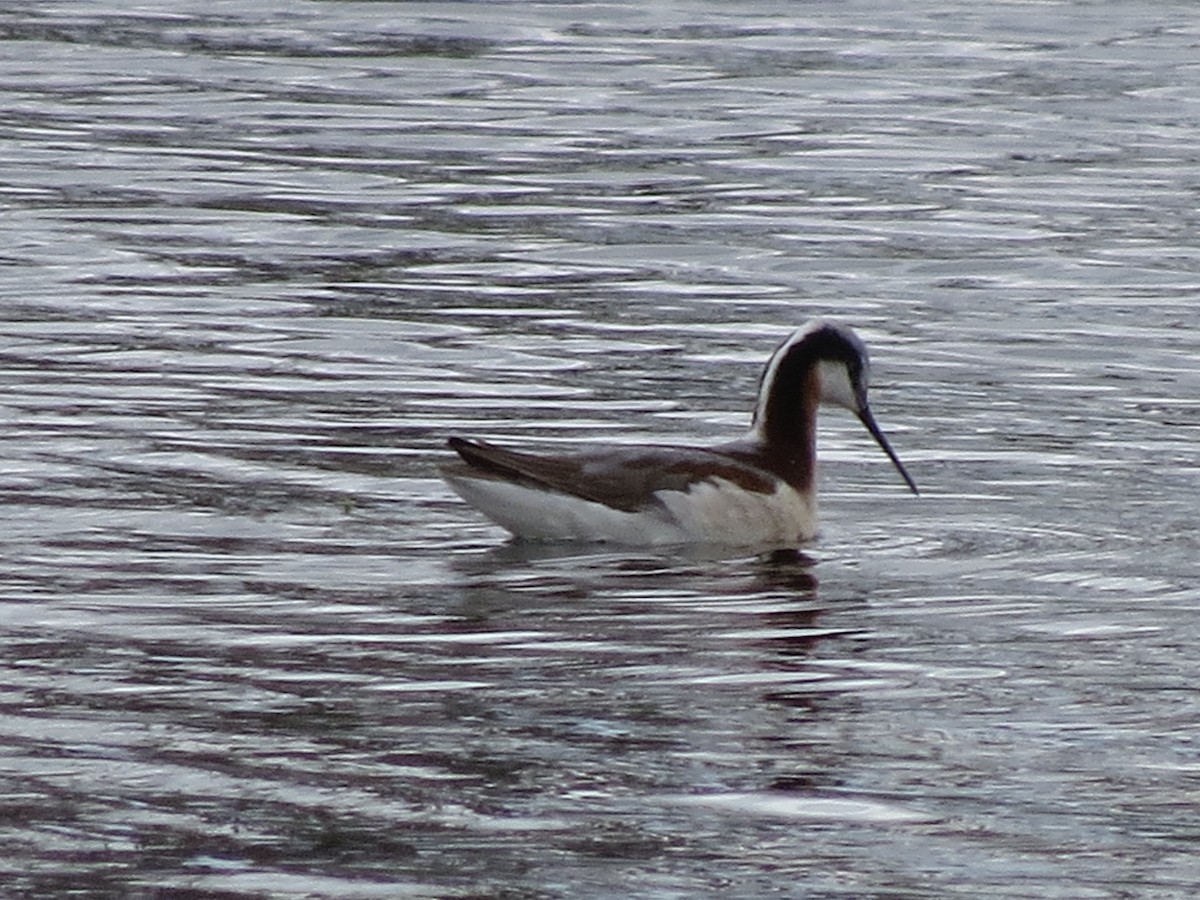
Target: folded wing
622	478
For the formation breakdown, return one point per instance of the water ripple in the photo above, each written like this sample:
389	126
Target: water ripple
260	261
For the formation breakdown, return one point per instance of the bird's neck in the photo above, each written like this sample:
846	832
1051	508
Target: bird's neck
784	428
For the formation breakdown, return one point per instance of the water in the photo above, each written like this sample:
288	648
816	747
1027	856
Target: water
259	259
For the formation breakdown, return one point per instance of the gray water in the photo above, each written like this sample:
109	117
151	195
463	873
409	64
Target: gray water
259	259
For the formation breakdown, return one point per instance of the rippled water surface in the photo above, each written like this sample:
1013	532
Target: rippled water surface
259	259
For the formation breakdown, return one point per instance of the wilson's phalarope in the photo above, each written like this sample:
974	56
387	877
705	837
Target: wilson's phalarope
759	490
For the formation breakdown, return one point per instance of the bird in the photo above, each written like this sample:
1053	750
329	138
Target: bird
757	490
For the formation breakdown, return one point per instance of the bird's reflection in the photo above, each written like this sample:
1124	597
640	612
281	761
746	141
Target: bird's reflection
769	600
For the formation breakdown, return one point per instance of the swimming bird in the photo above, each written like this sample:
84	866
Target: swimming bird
758	490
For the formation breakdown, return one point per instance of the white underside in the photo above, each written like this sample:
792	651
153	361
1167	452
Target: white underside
711	512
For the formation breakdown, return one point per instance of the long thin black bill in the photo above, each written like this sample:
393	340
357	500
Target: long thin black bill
869	421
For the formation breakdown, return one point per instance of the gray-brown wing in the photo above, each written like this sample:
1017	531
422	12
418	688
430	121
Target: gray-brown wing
624	478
